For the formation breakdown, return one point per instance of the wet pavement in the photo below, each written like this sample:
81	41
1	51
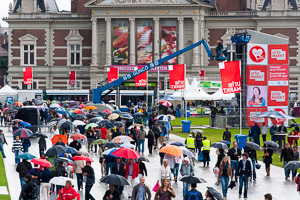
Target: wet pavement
276	184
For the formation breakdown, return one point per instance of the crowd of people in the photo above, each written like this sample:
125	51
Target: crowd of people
102	133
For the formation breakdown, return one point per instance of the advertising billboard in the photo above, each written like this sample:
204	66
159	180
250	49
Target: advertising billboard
120	38
257	96
253	113
278	95
278	54
230	72
278	75
280	109
168	40
257	75
257	54
144	42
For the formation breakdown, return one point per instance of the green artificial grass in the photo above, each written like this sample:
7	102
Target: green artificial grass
3	180
195	121
4	197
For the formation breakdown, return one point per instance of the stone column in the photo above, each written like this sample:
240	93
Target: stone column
94	43
181	39
202	36
108	41
132	41
196	51
156	38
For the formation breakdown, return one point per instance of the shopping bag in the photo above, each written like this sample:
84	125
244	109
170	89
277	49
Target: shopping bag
156	187
200	156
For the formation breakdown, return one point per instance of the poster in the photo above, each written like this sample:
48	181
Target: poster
257	75
257	96
252	116
27	75
278	75
177	76
278	95
142	79
278	54
168	42
257	54
112	74
120	39
280	109
230	72
144	42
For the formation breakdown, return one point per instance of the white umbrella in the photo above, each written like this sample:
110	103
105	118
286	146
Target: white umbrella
54	105
78	123
128	145
60	180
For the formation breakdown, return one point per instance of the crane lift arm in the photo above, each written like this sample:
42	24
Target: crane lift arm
97	92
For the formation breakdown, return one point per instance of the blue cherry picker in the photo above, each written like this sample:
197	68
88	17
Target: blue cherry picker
98	92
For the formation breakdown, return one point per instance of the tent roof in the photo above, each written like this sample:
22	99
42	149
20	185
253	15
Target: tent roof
7	90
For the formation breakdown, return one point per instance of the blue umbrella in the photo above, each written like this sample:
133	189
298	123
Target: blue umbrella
225	142
125	115
71	150
26	156
109	151
219	145
106	123
25	124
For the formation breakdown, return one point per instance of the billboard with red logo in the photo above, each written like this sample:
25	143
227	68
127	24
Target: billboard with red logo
278	75
257	54
278	54
278	95
257	75
253	113
142	79
280	109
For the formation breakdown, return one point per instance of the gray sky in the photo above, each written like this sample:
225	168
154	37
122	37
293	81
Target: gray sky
62	5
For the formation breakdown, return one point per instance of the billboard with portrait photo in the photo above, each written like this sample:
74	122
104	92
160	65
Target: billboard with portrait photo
144	42
120	37
168	44
257	96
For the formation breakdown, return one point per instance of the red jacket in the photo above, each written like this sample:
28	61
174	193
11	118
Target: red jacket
135	170
68	194
297	181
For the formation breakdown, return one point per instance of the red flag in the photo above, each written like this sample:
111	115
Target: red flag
142	79
177	76
202	74
230	76
27	75
72	77
112	74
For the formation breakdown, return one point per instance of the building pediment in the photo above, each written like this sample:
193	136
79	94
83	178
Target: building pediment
134	3
28	37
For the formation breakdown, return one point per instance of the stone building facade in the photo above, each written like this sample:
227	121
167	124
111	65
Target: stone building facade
84	40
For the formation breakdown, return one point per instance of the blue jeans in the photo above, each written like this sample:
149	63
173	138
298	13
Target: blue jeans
287	172
22	181
141	146
234	165
175	170
224	183
254	169
2	150
243	181
17	159
185	189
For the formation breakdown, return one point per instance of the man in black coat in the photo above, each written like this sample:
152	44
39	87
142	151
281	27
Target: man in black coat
30	190
151	140
23	169
244	172
235	154
89	173
118	167
75	144
286	156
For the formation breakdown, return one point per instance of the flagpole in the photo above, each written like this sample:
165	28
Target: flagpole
184	93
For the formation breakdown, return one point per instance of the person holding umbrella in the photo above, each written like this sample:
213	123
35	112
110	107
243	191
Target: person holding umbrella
112	193
165	171
235	154
244	172
141	191
89	173
23	169
224	174
78	166
193	193
295	158
42	145
253	157
29	190
286	156
186	170
151	141
68	192
267	159
2	142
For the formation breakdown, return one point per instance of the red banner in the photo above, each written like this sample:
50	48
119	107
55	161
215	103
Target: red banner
279	54
278	95
252	116
177	76
72	78
112	74
142	79
202	74
27	75
278	75
230	76
257	75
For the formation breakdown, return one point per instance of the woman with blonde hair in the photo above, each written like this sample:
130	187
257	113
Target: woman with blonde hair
165	192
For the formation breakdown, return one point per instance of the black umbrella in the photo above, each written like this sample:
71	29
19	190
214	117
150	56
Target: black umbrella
138	114
91	115
118	124
106	123
36	135
219	145
125	115
55	151
179	144
95	120
78	117
217	195
66	125
192	179
225	142
114	179
111	145
272	144
252	145
292	165
142	158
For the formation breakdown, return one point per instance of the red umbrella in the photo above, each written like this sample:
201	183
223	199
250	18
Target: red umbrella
165	103
78	111
78	136
126	153
85	158
41	162
107	111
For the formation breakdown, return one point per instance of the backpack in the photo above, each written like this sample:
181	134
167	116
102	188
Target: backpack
193	195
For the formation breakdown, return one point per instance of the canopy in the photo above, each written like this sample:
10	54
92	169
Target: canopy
219	95
7	90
